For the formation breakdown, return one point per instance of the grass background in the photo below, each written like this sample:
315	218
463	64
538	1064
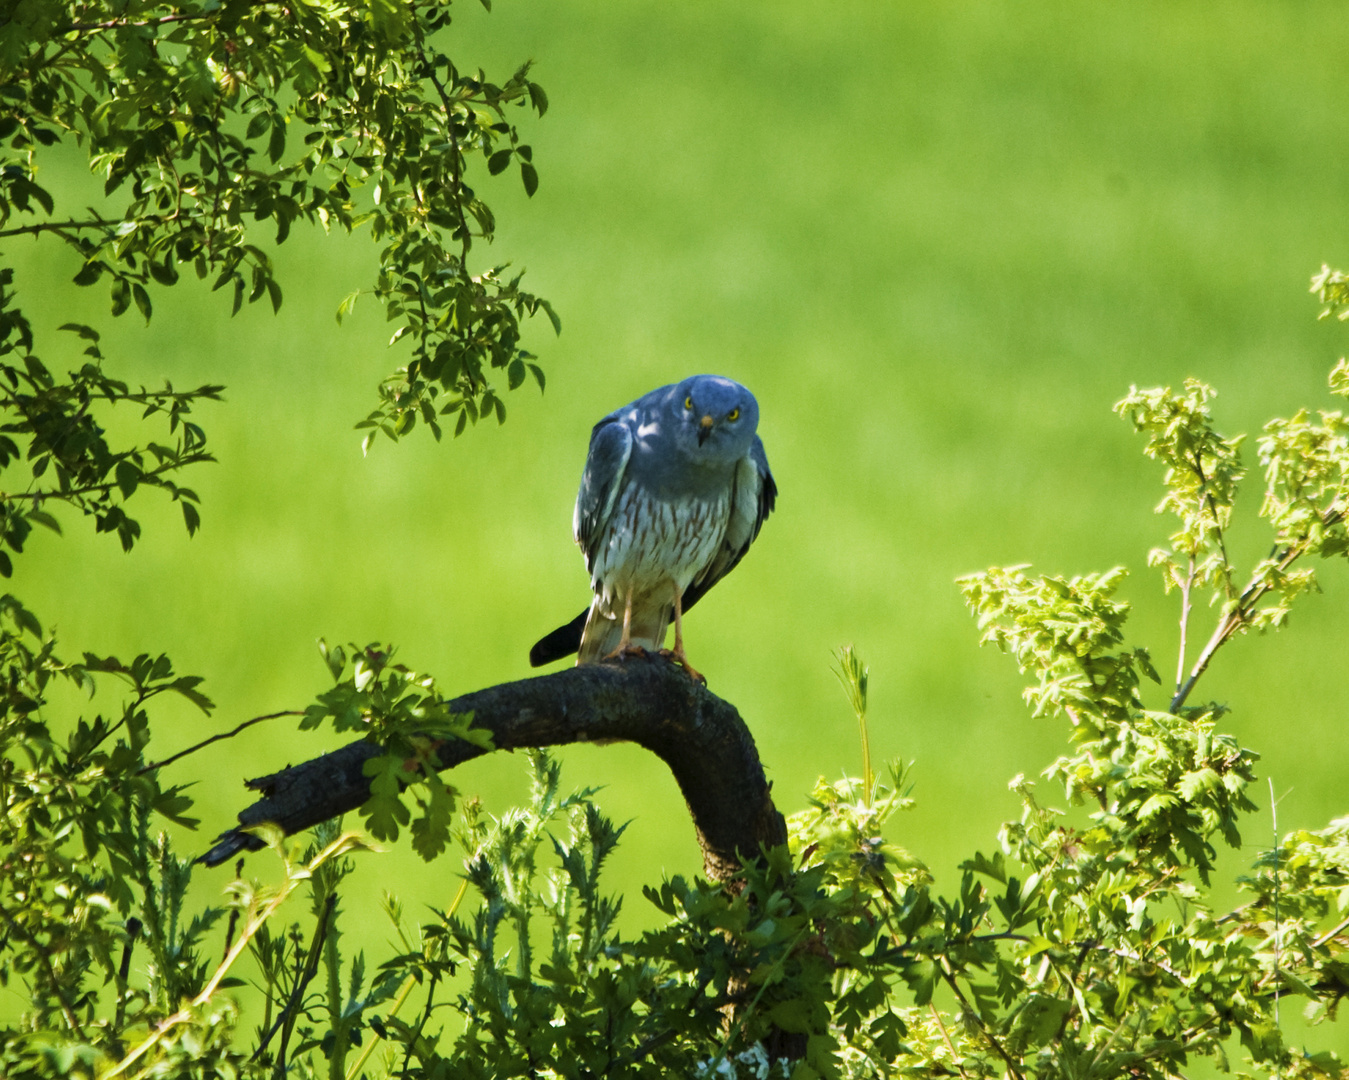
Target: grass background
937	241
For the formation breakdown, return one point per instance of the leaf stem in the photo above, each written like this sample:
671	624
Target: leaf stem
1185	608
970	1011
946	1038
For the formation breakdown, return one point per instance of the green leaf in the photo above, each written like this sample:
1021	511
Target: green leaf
128	478
384	811
165	273
43	518
121	295
792	1015
142	300
431	831
538	98
530	178
922	979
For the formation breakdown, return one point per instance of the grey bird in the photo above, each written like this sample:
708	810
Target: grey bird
675	489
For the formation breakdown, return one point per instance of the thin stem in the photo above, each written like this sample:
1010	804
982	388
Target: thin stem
369	1049
1184	623
1087	946
1330	934
969	1011
1278	929
255	923
455	167
61	226
1114	1035
1246	603
1239	613
946	1038
147	478
216	738
286	1021
1217	524
116	24
234	916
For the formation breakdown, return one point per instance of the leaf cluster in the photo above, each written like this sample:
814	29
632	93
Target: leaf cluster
53	431
401	711
204	121
87	877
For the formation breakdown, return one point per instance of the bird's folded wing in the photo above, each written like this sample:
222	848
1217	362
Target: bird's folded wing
610	449
752	499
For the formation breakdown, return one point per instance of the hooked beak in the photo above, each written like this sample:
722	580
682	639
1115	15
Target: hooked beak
704	429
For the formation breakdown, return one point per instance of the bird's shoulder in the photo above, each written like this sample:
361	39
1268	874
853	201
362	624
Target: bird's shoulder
644	417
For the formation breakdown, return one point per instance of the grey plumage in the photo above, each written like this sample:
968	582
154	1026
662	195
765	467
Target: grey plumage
675	489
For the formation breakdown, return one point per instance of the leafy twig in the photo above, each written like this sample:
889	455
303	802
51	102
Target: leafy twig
311	967
257	920
45	955
1242	609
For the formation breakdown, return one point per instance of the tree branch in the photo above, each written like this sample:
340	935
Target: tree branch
1244	606
650	702
119	24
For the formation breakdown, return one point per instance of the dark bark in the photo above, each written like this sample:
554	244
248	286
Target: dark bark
651	702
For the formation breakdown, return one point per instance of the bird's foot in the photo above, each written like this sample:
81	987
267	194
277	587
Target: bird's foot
624	651
677	655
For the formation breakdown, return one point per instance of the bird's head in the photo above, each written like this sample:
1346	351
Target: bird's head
716	417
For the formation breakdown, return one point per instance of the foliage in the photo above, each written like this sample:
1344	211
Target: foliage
1086	944
206	120
402	712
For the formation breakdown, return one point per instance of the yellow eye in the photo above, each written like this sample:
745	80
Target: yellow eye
734	414
688	402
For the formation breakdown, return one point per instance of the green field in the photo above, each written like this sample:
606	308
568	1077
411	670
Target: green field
937	241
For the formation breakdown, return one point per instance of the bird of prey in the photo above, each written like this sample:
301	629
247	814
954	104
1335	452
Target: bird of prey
675	489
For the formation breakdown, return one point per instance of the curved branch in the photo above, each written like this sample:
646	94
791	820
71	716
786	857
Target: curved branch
653	703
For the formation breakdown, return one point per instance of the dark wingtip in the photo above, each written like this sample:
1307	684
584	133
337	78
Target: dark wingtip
563	641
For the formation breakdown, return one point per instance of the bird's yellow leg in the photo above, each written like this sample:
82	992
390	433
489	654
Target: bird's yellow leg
677	653
625	645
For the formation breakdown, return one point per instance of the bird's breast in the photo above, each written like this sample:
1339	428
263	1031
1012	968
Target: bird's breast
653	542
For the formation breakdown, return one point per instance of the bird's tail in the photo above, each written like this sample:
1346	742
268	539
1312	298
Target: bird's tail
563	641
603	633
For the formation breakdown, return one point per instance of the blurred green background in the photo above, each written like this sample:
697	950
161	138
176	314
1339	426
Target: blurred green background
937	241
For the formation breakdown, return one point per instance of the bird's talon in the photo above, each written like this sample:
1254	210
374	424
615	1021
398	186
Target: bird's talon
683	661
